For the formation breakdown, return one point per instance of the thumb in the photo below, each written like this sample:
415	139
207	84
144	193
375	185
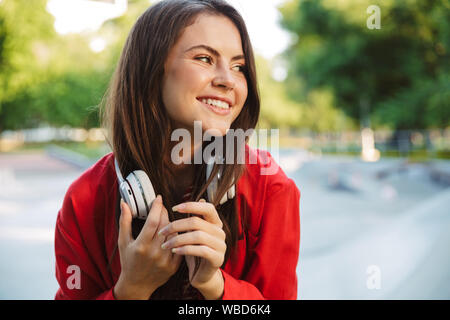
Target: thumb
125	235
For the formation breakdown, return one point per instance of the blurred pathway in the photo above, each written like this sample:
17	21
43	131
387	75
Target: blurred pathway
363	220
32	187
358	220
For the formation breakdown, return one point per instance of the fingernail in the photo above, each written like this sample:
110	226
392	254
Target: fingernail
164	245
178	207
174	250
161	232
121	204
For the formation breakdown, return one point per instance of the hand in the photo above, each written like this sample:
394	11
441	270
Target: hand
145	266
202	238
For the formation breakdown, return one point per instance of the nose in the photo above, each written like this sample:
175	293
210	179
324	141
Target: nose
223	78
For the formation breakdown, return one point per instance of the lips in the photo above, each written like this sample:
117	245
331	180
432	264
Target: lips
215	109
230	104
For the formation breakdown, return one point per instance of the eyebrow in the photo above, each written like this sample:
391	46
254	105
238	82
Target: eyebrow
214	51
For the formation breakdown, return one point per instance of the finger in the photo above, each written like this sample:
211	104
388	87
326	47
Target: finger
195	238
172	259
125	234
163	222
205	209
192	224
152	223
213	257
176	259
164	218
163	238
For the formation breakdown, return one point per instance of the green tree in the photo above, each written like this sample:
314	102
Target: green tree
371	71
24	27
46	78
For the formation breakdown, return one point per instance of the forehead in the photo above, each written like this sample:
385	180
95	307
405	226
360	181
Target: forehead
216	31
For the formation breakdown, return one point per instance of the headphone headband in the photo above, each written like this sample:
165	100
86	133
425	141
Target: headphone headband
138	192
118	173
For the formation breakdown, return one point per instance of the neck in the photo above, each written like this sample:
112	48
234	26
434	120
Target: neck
181	163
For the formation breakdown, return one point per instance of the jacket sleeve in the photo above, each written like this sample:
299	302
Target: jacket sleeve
78	276
273	259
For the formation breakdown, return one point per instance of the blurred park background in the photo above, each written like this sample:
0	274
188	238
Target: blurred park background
362	103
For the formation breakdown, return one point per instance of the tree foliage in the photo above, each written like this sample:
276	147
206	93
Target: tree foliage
397	75
24	26
339	70
52	79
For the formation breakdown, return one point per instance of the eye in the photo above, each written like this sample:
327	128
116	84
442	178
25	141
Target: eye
241	67
207	58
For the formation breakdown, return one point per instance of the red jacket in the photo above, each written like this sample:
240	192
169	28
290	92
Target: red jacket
263	266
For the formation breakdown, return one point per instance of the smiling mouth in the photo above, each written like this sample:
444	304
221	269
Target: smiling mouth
217	106
215	103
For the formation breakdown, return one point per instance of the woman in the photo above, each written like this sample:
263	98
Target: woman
183	61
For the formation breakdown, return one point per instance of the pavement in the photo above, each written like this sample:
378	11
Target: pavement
368	230
32	187
359	221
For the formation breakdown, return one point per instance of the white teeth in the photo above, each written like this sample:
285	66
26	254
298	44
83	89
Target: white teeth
216	103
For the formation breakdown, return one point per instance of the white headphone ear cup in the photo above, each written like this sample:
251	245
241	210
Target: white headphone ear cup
127	196
149	191
138	195
211	190
209	167
224	198
231	192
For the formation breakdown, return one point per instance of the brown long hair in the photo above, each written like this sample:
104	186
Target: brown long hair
137	123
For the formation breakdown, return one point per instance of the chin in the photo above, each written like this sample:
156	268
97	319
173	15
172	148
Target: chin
216	128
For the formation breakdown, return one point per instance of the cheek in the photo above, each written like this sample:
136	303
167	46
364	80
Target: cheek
168	99
174	90
185	82
242	93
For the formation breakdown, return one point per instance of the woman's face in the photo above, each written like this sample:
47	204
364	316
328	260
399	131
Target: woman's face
204	75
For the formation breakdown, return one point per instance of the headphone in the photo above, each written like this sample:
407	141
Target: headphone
138	192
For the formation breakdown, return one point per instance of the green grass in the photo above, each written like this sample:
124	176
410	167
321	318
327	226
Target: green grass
91	150
413	156
95	150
